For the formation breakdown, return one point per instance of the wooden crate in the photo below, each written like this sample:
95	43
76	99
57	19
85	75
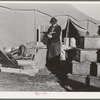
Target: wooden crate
81	68
98	56
69	54
95	69
94	81
85	55
77	78
77	81
89	42
40	58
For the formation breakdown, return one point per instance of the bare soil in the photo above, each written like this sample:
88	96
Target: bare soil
42	81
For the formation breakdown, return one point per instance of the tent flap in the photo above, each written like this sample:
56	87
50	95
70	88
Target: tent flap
74	28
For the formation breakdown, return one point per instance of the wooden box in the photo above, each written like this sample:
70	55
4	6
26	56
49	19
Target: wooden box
95	69
89	42
69	54
81	68
77	81
84	55
94	81
98	56
40	58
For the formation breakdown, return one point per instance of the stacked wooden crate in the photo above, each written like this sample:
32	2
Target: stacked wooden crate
86	61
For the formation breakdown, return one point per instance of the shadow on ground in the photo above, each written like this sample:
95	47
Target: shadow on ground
61	73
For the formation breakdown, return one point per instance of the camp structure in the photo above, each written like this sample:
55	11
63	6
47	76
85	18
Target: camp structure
24	24
19	22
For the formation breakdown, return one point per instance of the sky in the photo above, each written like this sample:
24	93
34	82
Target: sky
91	9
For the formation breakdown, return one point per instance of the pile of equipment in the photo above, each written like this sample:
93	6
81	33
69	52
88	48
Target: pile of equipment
24	60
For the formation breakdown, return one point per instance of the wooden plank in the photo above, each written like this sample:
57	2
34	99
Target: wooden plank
25	64
81	68
30	72
6	59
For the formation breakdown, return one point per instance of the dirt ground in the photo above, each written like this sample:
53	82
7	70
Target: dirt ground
42	81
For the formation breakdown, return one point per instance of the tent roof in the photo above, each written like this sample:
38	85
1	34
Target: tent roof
52	9
19	26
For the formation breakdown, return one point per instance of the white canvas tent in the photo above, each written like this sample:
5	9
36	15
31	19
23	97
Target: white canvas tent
18	22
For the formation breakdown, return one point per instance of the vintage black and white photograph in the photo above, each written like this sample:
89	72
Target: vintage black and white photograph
49	47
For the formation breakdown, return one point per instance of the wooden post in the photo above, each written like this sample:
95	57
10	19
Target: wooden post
44	28
68	30
35	30
87	25
39	35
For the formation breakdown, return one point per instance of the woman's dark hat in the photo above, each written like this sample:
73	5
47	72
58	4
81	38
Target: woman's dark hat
53	19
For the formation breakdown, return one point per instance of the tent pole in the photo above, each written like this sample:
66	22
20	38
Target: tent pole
68	29
39	34
35	32
87	25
